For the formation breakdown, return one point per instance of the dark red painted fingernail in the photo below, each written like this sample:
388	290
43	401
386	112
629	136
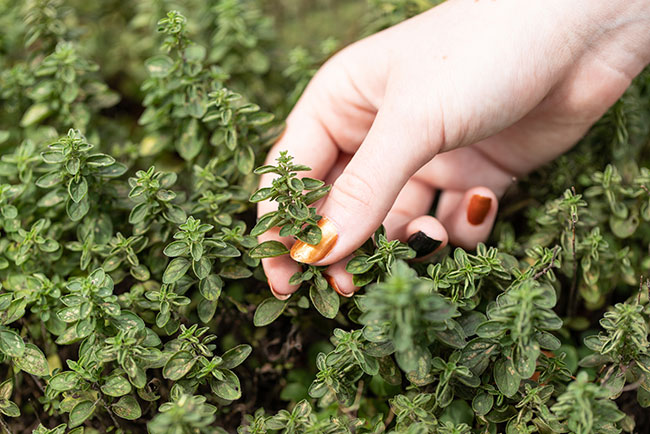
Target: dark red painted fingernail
478	208
276	295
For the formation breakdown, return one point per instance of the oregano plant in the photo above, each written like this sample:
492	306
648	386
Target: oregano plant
132	296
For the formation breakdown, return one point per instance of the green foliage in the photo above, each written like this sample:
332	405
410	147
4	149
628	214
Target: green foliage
374	259
132	297
584	408
294	215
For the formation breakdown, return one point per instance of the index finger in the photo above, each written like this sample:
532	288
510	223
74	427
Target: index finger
331	116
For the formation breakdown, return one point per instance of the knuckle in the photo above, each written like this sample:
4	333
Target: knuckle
352	191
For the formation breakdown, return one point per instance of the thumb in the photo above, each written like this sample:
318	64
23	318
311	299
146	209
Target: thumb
362	195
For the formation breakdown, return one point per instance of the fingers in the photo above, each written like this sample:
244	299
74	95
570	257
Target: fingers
464	168
339	279
366	190
279	270
426	235
468	216
414	200
332	115
405	222
408	221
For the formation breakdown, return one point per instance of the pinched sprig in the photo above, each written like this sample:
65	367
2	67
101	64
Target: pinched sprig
294	215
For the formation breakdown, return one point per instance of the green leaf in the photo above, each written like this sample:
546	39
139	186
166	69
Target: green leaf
69	314
140	272
77	189
268	249
82	411
235	356
6	389
229	388
524	359
311	234
176	269
245	160
266	169
64	381
389	371
113	171
490	329
316	195
506	377
116	385
197	107
127	408
624	228
548	341
159	66
53	198
268	311
178	365
139	213
190	142
9	408
33	361
210	287
261	194
72	165
202	268
196	250
195	53
312	184
231	138
11	343
174	214
35	114
206	309
482	403
265	223
416	361
100	160
260	118
53	157
643	397
50	179
77	211
453	335
358	265
325	301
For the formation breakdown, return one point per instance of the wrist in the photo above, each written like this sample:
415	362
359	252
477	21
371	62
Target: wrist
617	31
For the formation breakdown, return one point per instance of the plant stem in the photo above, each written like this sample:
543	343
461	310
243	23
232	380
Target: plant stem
389	419
4	425
546	269
574	281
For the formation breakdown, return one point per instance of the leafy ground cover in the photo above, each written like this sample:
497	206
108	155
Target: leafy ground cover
132	297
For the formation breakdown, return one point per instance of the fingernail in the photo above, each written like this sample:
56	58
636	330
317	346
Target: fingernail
423	244
333	284
478	208
307	253
276	295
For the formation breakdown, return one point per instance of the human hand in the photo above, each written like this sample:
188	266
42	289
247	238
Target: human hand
491	88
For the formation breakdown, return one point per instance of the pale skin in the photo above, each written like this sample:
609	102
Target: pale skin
491	88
